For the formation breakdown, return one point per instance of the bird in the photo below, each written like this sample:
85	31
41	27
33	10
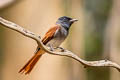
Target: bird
53	38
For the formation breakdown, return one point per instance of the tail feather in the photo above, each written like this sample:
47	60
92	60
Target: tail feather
31	63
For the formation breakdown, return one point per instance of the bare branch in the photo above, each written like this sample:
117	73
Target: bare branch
27	33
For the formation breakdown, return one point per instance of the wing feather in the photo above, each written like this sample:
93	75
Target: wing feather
50	34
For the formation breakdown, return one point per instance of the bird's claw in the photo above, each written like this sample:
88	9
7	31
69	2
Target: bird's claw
62	49
51	48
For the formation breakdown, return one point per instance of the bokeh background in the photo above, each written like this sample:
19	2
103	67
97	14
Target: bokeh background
95	36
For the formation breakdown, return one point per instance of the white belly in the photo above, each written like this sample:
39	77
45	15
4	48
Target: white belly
55	42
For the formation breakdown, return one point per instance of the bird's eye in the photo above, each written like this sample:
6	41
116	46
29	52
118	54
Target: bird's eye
64	18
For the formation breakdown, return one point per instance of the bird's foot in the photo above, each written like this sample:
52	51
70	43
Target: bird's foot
51	48
62	49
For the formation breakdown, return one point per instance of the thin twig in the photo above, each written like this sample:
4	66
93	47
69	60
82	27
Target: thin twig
27	33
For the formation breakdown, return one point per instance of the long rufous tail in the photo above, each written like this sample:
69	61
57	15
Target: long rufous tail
31	63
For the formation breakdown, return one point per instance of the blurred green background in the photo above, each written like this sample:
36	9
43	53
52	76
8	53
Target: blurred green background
95	36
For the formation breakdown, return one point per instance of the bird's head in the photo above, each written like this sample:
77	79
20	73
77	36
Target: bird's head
66	22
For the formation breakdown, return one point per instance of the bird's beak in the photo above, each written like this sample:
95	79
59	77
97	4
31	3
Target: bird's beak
73	20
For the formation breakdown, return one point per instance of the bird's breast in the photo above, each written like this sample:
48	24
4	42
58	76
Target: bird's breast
59	36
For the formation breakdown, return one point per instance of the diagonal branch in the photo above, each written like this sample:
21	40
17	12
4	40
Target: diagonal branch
27	33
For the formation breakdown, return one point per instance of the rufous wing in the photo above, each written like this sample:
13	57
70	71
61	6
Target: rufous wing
50	34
